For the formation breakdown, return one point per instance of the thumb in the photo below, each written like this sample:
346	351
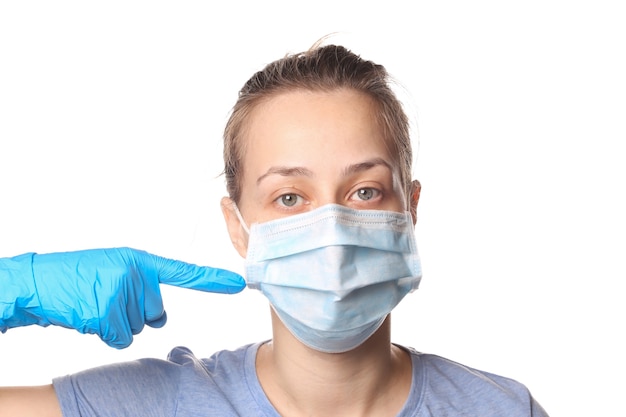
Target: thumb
203	278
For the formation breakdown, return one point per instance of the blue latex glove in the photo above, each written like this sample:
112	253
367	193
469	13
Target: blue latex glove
109	292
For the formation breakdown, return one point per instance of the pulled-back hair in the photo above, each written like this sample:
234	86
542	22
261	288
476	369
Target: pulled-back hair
321	68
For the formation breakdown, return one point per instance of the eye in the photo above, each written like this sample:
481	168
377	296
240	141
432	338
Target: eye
288	200
365	194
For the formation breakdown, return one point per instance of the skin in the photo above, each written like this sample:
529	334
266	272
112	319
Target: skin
305	150
29	402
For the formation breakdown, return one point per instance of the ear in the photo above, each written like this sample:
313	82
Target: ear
416	189
238	235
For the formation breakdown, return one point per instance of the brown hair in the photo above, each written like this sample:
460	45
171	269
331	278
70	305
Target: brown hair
321	68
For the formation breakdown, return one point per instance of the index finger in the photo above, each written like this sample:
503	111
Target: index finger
203	278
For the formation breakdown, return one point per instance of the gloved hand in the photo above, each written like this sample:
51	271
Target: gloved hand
108	292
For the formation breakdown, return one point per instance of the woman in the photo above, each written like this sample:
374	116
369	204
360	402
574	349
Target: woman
321	204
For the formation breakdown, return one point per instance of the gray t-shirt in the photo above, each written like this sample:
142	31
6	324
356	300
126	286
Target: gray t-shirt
226	384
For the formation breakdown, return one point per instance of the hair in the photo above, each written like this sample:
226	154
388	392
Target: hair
321	68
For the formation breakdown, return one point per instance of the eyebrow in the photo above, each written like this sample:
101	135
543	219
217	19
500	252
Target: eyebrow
286	171
366	165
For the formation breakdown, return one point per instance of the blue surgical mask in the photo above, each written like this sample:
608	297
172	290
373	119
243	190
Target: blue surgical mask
333	274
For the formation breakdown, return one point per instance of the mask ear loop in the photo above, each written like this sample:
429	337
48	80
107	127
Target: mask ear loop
240	217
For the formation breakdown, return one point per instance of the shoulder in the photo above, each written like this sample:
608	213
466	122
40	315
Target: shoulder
447	385
120	389
440	370
180	385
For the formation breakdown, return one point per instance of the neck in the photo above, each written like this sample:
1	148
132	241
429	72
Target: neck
373	379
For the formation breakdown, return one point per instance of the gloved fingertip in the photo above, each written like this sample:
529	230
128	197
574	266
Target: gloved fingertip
158	323
116	341
233	282
235	289
119	344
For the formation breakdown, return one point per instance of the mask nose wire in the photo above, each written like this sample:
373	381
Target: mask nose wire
241	220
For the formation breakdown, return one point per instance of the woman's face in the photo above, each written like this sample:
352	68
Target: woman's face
307	149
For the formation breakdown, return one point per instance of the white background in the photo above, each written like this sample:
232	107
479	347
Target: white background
110	125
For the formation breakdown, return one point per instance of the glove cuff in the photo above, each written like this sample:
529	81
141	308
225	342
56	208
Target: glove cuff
19	301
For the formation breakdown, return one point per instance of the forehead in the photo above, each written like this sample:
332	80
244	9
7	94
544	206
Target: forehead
302	123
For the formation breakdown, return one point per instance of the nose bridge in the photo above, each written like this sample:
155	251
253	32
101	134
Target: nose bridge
329	192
